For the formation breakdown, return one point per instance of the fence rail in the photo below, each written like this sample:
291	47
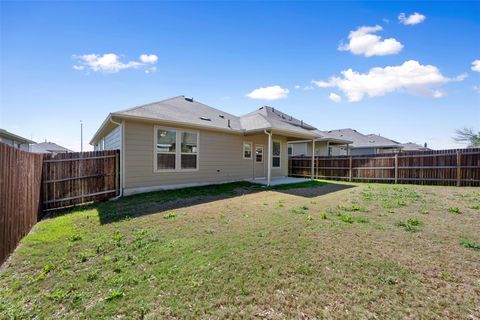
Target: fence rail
460	167
74	178
20	180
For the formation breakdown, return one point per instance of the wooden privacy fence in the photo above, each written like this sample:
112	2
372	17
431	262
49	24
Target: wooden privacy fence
20	181
79	177
458	167
30	182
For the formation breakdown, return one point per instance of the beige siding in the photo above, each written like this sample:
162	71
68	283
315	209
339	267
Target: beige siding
113	139
220	158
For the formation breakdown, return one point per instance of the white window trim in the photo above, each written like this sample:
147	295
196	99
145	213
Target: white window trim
252	150
263	152
178	149
280	156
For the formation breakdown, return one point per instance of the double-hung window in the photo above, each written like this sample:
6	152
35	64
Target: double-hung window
276	154
259	154
175	149
247	150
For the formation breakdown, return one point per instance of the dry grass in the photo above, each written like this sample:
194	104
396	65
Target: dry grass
243	252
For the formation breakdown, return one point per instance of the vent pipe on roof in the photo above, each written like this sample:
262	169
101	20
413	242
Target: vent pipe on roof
189	99
301	123
273	110
229	123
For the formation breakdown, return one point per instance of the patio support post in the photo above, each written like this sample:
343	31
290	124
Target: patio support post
313	159
269	157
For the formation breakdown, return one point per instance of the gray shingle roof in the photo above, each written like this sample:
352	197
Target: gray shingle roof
188	111
48	147
180	109
411	146
363	141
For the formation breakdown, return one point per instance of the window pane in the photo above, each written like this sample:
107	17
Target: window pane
189	161
247	150
166	140
259	154
165	161
189	142
276	162
276	148
290	151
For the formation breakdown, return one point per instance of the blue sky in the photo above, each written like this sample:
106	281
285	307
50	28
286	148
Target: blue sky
424	87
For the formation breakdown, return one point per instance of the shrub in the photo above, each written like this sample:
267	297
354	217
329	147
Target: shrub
323	215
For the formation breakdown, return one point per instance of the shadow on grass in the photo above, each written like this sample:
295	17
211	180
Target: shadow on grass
153	202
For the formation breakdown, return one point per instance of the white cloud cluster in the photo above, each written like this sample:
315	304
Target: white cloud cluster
411	77
412	19
476	65
335	97
364	42
269	93
111	63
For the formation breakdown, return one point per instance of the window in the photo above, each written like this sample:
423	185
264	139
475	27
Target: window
169	156
290	150
277	147
258	154
247	150
189	150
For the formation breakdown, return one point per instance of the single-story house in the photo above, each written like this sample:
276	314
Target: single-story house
48	147
15	141
181	142
327	145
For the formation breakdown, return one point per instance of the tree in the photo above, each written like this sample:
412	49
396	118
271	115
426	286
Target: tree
469	136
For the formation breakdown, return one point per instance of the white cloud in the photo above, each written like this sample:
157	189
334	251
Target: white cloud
412	19
364	42
476	65
476	89
335	97
148	58
297	87
269	93
410	77
111	63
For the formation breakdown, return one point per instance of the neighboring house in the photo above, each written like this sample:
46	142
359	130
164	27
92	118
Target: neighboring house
411	146
15	141
327	145
180	142
48	147
346	142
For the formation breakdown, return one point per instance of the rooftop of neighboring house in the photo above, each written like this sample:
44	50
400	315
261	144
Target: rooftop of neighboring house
360	140
18	139
48	147
411	146
181	110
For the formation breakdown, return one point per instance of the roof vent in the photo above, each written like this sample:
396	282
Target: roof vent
229	123
221	116
205	119
371	141
273	110
189	99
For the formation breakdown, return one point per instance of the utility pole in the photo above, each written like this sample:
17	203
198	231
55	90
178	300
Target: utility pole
81	136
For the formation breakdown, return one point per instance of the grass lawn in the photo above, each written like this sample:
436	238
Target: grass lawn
320	250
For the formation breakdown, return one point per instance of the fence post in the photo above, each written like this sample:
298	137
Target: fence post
350	169
459	168
396	168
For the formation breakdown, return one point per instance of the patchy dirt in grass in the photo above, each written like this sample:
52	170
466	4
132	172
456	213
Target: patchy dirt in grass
329	250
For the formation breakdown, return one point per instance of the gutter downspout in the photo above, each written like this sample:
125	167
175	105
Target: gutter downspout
269	155
122	156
